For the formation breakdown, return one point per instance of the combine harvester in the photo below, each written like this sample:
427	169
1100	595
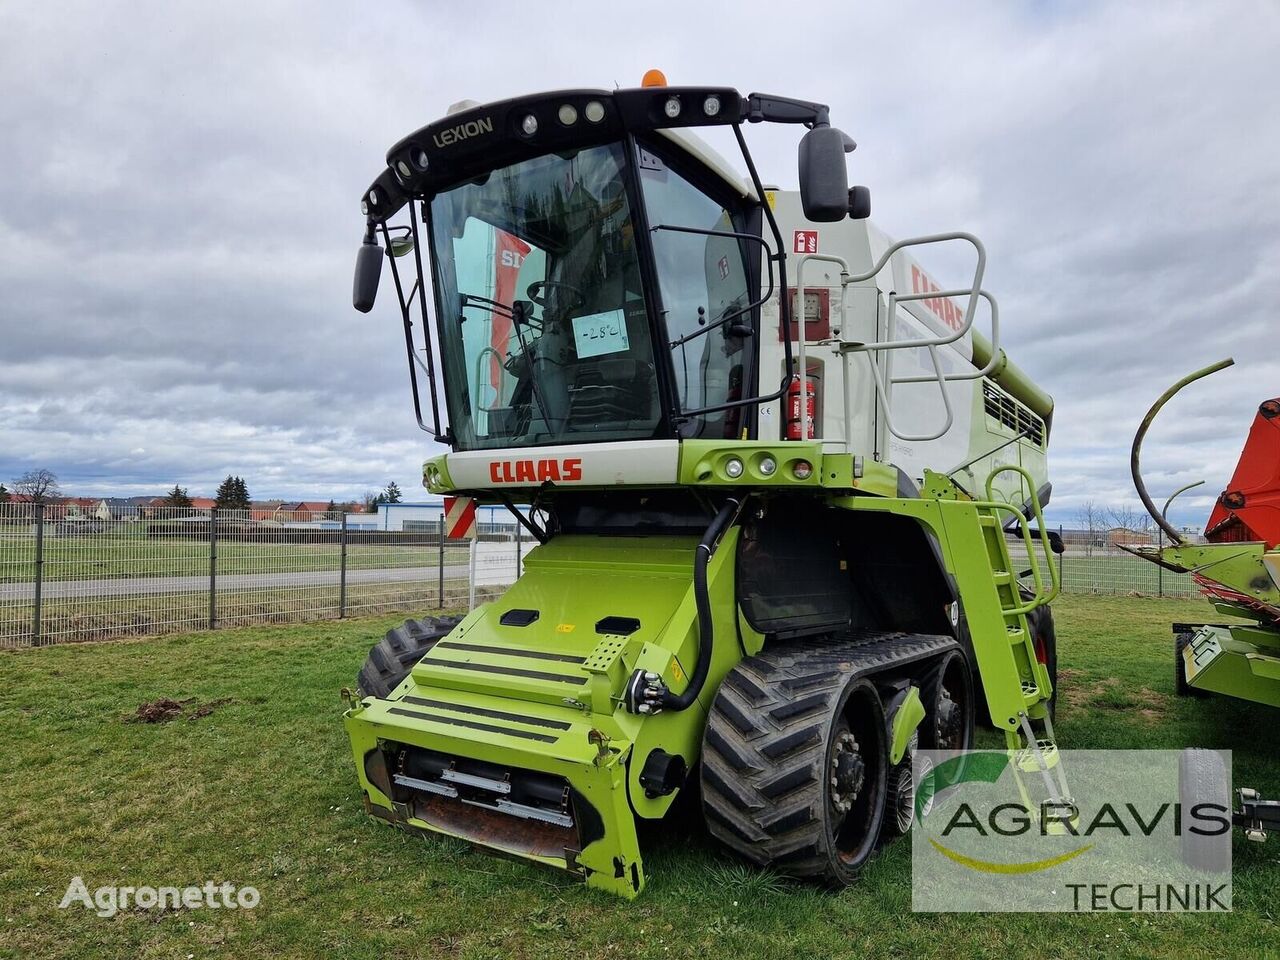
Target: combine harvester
1238	570
768	586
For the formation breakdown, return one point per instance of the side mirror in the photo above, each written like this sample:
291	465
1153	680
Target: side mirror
824	179
368	271
859	203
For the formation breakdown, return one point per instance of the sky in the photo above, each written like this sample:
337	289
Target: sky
179	211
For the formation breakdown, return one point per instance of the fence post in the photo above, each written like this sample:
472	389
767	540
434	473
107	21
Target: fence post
35	618
342	571
471	563
1160	569
440	567
213	568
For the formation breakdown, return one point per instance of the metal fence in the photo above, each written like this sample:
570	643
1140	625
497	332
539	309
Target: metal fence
66	578
1109	570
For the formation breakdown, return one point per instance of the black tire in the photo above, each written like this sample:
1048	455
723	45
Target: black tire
1040	621
392	657
948	698
1202	778
1180	686
783	726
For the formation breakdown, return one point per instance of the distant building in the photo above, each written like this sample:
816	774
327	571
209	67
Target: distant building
1124	537
117	508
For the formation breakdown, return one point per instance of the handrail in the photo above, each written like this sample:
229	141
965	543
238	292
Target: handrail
881	378
1040	597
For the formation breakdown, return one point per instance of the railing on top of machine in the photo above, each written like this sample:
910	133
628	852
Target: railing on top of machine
881	377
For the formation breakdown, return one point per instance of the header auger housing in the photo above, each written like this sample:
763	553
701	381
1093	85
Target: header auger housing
772	523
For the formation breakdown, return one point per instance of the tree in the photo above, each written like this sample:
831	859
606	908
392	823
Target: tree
331	511
1090	517
232	494
4	493
40	486
1129	518
177	497
371	500
391	493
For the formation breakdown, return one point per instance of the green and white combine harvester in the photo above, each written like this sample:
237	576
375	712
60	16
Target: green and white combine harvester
761	589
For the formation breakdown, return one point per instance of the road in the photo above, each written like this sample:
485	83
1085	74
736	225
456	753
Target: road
487	573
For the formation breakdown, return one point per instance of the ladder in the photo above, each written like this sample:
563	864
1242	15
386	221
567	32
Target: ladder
1033	748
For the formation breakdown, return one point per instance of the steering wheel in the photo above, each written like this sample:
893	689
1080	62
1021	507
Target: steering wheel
534	292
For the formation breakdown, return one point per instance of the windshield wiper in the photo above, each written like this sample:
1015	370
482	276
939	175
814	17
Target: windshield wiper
492	306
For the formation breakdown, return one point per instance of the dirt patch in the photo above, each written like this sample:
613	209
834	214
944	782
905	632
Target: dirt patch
165	709
207	708
1079	693
1106	693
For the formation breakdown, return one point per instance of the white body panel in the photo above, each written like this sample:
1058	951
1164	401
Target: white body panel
653	462
860	314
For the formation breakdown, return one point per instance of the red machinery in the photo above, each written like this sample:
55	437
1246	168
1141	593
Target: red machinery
1249	509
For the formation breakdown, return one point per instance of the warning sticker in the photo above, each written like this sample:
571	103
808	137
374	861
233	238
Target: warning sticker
806	241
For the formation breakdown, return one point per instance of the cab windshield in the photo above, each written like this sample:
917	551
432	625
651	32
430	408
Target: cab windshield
544	326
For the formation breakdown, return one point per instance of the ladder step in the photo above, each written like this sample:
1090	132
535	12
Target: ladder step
987	520
1001	577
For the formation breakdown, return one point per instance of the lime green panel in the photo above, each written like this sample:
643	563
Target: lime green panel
710	463
1217	660
905	720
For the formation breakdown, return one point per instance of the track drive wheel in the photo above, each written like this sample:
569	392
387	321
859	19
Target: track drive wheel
392	657
795	764
948	698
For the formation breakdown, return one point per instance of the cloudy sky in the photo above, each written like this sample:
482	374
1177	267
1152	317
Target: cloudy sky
179	209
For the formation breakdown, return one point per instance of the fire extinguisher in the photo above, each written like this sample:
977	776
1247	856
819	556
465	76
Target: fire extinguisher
793	409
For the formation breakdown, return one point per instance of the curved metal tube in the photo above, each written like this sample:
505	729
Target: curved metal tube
1143	427
1177	493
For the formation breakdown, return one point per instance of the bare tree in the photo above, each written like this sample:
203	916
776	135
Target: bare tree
1127	517
1091	518
40	486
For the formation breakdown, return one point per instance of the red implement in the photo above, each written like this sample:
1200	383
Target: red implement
1249	509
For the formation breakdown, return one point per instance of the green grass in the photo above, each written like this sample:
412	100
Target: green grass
132	554
261	792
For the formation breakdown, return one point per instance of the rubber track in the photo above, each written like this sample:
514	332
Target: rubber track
391	658
764	750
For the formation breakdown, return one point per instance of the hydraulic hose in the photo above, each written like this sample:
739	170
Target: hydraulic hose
1136	449
706	628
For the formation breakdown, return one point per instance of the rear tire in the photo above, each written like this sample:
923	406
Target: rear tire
1181	640
1040	621
1202	778
392	657
948	698
795	765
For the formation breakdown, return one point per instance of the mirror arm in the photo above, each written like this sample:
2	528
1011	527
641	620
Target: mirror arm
768	108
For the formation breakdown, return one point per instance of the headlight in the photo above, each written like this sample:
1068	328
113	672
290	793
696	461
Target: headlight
733	468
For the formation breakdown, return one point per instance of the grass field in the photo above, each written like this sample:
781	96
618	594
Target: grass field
136	555
259	791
